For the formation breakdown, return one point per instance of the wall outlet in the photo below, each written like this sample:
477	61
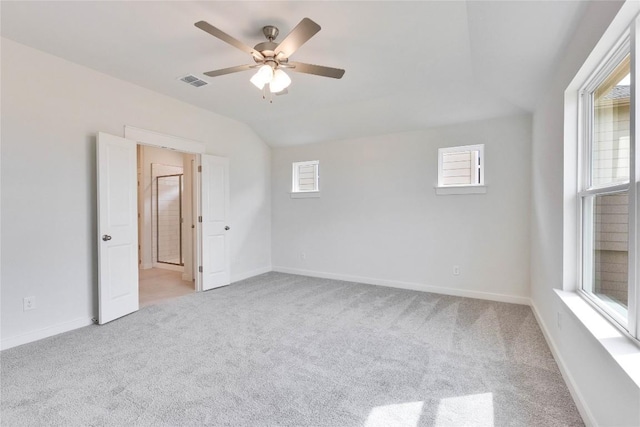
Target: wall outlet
29	303
303	256
456	270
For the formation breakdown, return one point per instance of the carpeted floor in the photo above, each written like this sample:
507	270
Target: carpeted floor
286	350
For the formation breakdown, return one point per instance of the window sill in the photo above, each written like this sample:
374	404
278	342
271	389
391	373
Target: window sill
305	195
462	189
622	349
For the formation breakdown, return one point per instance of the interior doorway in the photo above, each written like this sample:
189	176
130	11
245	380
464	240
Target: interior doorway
166	224
123	245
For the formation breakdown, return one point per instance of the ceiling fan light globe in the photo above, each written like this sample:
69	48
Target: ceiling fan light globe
280	81
262	77
257	81
266	73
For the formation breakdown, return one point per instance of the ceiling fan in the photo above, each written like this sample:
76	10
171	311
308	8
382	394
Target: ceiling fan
271	58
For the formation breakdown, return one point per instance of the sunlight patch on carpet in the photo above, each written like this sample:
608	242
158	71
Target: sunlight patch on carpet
398	415
469	410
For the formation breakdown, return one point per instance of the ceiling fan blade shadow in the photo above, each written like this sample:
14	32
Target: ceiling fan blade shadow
282	92
223	71
215	32
297	37
318	70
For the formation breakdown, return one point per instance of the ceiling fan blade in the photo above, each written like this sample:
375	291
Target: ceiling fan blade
215	32
318	70
297	37
223	71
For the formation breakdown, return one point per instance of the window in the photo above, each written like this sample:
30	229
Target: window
460	169
605	201
305	177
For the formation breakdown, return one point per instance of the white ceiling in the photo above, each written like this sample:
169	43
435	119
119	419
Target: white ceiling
409	65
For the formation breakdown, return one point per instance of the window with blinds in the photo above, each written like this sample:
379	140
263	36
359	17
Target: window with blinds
461	166
305	177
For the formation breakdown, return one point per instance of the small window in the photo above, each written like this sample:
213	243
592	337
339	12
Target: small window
461	167
305	177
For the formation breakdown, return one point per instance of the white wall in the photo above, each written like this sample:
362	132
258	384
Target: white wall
51	112
378	219
605	394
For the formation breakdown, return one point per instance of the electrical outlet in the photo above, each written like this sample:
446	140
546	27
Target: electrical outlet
303	256
29	303
456	270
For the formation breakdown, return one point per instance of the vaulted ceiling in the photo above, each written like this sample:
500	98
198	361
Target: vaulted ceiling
409	65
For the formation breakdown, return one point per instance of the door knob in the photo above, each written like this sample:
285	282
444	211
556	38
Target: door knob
226	227
106	237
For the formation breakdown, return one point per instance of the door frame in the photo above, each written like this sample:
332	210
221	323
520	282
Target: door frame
175	143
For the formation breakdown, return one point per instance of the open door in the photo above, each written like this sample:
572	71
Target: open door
214	185
117	227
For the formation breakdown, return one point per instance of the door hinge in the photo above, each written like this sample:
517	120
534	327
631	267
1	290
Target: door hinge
199	168
200	218
200	269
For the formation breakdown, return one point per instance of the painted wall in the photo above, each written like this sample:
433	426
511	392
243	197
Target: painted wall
605	393
51	112
378	219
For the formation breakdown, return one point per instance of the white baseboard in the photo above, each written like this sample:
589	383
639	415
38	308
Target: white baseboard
583	409
44	333
241	276
409	285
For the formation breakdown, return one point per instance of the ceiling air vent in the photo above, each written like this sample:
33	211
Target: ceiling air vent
193	80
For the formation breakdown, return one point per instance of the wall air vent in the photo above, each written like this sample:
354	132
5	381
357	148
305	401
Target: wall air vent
193	81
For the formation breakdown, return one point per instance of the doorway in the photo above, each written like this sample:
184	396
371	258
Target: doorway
123	245
166	224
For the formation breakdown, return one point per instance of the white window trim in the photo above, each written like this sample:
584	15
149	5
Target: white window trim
294	180
619	343
479	188
305	194
461	189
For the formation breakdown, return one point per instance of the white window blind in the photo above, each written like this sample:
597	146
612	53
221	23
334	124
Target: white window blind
305	176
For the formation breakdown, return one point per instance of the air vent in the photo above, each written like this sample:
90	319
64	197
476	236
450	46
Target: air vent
193	81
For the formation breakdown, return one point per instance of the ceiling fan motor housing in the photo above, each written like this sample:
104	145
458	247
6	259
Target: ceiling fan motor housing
266	48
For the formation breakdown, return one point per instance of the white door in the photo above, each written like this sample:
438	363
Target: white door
215	260
117	227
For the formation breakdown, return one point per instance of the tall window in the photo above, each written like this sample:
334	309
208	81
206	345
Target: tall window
606	203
